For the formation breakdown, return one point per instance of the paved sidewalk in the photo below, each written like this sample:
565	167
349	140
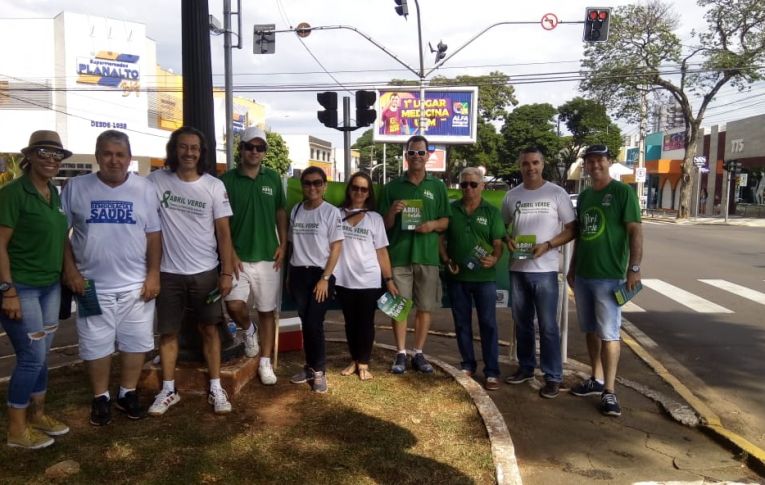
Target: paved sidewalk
733	220
567	440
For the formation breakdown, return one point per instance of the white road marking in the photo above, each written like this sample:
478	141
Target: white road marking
630	307
685	298
742	291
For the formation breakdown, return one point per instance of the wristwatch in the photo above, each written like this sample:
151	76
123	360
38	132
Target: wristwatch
5	286
326	278
635	268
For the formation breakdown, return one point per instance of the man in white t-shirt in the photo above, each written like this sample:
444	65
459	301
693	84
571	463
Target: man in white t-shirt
539	214
194	212
115	252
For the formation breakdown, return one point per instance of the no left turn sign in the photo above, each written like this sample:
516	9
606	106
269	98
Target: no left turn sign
549	21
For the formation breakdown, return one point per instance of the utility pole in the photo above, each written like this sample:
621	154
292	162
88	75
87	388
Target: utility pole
347	137
641	144
423	119
229	80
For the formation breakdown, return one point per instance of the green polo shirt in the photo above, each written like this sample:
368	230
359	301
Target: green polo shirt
410	247
36	248
254	203
483	226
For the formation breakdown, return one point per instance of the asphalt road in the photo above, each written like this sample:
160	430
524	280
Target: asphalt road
717	329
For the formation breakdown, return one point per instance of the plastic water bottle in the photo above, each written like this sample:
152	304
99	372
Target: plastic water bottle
232	327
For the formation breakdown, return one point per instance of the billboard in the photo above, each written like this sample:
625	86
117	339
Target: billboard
450	114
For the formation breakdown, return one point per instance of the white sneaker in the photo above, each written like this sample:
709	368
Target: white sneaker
219	401
163	401
266	374
251	347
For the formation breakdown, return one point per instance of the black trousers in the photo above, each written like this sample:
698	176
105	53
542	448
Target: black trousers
359	313
311	312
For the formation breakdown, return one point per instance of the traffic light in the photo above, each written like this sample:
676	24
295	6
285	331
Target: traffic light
596	21
329	115
264	39
441	52
365	113
733	166
402	8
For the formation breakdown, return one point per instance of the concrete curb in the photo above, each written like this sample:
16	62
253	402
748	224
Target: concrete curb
502	449
639	342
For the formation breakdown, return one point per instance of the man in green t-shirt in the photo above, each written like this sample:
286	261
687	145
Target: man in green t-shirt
609	242
259	234
470	249
415	208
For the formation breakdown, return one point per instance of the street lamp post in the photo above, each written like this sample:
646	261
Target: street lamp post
561	166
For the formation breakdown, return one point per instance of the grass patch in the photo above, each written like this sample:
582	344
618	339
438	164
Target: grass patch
392	429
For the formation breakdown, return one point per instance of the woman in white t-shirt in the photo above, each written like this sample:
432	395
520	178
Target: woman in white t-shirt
317	240
359	275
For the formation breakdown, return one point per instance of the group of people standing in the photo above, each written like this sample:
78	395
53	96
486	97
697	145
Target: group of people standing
179	240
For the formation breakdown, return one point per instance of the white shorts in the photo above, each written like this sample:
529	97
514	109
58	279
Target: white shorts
125	319
261	282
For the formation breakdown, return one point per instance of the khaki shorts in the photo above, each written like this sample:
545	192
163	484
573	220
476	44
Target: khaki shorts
420	283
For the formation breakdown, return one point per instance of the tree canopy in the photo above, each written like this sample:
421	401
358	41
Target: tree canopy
589	124
529	125
644	53
277	156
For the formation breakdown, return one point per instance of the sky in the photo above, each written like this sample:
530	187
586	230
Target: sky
331	58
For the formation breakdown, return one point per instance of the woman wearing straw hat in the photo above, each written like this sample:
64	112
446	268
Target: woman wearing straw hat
32	234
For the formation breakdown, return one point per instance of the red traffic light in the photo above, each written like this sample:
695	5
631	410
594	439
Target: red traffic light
602	15
593	14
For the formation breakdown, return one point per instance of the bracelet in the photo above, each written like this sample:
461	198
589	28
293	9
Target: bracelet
227	274
387	279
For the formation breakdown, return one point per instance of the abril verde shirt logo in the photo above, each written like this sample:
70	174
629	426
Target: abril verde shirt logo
592	223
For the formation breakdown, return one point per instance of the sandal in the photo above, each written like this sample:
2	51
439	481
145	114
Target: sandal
364	373
351	369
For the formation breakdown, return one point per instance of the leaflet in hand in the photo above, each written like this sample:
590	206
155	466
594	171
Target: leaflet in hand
480	250
623	295
396	307
87	304
411	216
524	245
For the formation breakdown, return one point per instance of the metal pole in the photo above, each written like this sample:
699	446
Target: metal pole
726	178
563	320
229	84
423	120
385	165
698	191
347	136
641	149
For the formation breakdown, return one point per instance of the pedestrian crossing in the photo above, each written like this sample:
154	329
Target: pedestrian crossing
693	301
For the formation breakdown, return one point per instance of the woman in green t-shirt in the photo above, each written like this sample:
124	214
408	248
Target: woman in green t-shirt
32	234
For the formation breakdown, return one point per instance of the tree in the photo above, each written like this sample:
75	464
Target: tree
373	152
10	167
589	124
643	53
277	156
529	125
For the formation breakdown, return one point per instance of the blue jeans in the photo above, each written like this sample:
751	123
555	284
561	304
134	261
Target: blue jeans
31	338
537	292
596	307
462	295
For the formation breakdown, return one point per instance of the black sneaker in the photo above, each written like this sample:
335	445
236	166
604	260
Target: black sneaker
419	363
129	405
590	387
399	364
101	411
519	377
550	390
609	405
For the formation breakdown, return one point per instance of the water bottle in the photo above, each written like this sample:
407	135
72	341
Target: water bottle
232	327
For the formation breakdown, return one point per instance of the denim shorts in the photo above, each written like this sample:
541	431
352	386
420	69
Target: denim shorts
596	307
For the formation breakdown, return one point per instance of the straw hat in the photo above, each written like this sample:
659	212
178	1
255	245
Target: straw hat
45	139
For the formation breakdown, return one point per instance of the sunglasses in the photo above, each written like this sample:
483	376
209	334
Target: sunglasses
411	153
312	183
48	153
465	185
358	188
250	147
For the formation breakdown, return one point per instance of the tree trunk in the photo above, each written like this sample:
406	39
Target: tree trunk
686	185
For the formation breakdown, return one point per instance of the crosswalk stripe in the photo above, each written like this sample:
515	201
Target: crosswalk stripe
742	291
685	298
630	307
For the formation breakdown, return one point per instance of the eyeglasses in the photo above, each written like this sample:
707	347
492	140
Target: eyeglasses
312	183
251	146
411	153
465	185
48	153
358	188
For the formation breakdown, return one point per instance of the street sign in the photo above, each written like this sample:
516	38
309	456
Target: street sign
640	174
303	29
700	161
549	21
264	39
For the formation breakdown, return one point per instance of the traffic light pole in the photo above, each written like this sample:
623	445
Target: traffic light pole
423	119
346	138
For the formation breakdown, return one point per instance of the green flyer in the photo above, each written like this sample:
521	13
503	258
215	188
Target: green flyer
411	216
480	250
524	245
396	307
87	303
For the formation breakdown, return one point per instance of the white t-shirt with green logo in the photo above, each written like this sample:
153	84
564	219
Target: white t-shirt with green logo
311	232
188	211
358	266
